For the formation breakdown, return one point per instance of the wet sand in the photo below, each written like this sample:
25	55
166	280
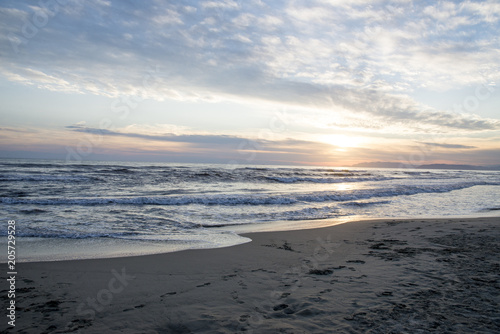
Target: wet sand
383	276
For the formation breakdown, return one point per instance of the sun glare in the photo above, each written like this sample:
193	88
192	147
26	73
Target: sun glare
342	141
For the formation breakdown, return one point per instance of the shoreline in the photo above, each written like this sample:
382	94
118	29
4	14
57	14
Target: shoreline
384	274
104	248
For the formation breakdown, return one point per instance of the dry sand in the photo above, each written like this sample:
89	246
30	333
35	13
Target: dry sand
385	276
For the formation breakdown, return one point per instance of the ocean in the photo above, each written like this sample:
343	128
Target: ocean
107	209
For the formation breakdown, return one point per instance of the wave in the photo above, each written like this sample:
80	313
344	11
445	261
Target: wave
116	170
416	173
215	225
311	213
29	165
33	211
365	204
118	174
43	178
327	180
252	199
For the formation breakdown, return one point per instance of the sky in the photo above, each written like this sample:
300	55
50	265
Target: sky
317	82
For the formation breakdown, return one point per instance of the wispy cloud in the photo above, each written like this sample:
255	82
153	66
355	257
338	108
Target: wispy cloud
168	137
14	130
221	143
457	146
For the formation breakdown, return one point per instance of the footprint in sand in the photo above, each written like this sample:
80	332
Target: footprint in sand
355	261
202	285
169	294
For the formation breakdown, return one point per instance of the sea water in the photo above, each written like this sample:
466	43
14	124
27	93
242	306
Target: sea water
106	209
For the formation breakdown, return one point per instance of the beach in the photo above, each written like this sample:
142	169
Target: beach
254	167
380	276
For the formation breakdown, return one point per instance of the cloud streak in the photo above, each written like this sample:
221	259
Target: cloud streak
452	146
218	142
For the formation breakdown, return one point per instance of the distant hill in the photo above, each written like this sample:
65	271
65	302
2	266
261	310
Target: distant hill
385	164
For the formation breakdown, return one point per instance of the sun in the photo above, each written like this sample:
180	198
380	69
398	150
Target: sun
342	141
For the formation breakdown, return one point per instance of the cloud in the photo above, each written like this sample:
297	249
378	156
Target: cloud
168	137
341	56
15	130
222	148
452	146
215	142
219	4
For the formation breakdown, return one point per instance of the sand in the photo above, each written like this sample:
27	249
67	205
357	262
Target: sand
384	276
